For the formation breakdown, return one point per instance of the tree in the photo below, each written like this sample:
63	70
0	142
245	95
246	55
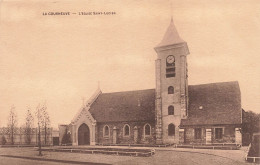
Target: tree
45	123
3	140
28	126
250	125
39	115
12	124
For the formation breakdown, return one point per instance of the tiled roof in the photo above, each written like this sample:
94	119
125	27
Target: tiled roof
124	106
216	103
209	104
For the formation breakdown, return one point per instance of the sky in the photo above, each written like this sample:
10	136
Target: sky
60	60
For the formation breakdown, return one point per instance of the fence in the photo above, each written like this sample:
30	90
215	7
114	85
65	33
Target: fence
22	137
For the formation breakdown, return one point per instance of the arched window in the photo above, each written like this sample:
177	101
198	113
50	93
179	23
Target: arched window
106	130
170	90
147	130
171	110
171	130
126	130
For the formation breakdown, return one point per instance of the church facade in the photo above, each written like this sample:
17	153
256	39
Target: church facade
172	113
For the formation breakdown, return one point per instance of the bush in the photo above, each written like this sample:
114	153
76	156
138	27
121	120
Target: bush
254	150
66	138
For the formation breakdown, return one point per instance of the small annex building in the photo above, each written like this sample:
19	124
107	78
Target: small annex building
172	113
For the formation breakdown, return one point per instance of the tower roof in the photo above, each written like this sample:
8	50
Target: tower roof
171	36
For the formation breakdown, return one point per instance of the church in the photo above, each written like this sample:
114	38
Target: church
172	113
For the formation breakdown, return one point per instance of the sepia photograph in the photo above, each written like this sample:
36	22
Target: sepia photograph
129	82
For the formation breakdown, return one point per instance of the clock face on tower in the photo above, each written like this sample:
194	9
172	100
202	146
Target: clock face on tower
170	59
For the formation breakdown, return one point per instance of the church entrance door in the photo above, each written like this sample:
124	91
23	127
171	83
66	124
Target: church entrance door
83	135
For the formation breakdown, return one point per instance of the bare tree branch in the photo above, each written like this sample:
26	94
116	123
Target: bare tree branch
12	124
29	123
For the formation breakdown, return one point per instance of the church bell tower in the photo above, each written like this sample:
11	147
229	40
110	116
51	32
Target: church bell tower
171	85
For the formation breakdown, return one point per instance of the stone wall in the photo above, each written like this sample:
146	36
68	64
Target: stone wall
178	98
141	138
228	134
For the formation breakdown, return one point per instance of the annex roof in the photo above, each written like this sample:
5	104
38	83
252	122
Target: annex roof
212	104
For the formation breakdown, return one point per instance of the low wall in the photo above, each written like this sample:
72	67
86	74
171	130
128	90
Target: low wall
20	136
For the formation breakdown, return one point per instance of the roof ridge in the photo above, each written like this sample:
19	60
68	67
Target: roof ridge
223	82
129	91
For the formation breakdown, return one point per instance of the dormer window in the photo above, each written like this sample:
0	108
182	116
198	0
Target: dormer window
170	66
138	102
